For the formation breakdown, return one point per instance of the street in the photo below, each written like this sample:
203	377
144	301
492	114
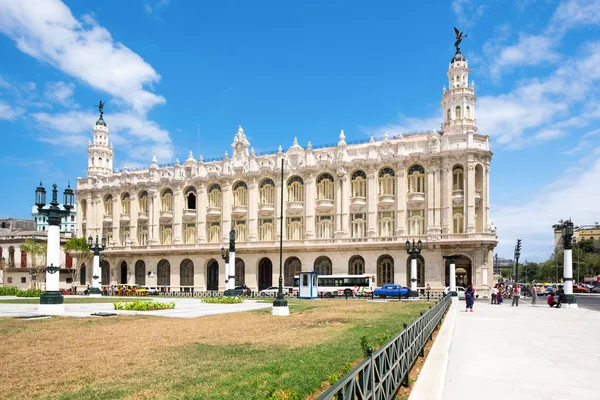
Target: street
589	301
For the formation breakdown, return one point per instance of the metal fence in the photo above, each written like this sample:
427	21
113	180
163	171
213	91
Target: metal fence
380	375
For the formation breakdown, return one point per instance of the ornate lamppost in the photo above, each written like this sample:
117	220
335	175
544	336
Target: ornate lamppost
280	304
517	255
567	232
229	256
413	251
52	300
97	249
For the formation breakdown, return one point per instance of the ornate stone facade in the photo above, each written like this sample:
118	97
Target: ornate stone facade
347	208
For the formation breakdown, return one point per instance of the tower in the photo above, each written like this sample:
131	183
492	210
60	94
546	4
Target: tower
100	153
458	101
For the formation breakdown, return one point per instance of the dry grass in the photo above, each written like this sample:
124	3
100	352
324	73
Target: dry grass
142	357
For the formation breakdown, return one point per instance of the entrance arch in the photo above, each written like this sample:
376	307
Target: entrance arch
323	265
463	269
420	271
292	267
105	273
385	269
124	272
212	275
186	273
163	272
240	272
356	265
140	272
265	273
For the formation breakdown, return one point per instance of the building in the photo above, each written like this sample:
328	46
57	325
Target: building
348	208
15	224
504	264
587	232
68	224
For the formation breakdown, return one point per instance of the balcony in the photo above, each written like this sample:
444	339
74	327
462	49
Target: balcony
295	207
213	213
266	209
458	197
324	206
239	211
416	199
142	216
108	219
387	201
358	204
166	215
189	215
124	217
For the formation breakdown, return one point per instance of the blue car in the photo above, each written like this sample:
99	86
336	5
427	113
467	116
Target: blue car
391	290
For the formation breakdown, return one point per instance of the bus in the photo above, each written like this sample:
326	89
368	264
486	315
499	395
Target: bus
340	285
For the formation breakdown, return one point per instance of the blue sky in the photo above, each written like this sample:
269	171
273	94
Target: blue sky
305	69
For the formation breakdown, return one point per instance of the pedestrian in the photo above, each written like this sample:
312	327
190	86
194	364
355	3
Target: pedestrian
499	299
516	294
495	295
469	299
428	289
533	295
560	293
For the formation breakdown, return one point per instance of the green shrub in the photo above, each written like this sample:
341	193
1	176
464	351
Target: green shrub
9	291
283	394
141	305
223	300
30	293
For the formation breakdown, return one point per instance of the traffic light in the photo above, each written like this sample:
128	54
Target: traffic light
518	249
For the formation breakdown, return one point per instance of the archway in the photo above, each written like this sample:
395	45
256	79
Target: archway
163	272
292	267
356	265
186	273
420	271
140	272
105	273
323	265
265	273
385	269
463	269
212	275
240	272
124	272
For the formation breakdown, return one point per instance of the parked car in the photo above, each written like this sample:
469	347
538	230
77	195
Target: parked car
151	290
245	290
459	289
580	288
595	289
391	290
272	291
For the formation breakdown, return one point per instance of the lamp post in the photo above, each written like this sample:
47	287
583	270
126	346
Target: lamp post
280	304
97	249
517	255
225	257
567	233
413	251
52	300
230	266
452	277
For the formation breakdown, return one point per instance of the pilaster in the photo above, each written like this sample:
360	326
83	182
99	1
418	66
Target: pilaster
226	211
252	210
310	196
153	220
372	202
447	199
470	200
401	189
345	205
134	207
178	206
201	214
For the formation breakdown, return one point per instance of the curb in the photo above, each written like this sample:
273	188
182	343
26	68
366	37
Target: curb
432	378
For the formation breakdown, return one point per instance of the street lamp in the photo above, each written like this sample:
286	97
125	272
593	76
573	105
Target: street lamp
413	251
567	232
280	304
97	249
517	255
229	256
52	300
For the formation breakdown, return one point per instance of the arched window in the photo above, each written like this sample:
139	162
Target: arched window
190	198
325	187
358	185
387	184
468	112
11	257
213	232
458	178
292	267
457	112
105	272
449	115
386	223
166	234
295	189
140	272
241	231
189	233
163	272
240	194
266	230
125	204
323	265
358	225
142	235
24	259
212	275
416	179
187	273
385	270
143	201
458	222
214	196
324	227
108	205
266	192
295	228
240	272
416	222
166	200
356	265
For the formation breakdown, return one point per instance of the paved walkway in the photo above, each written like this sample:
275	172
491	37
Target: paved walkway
503	352
184	308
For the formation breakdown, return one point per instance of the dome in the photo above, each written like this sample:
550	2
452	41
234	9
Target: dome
458	57
101	122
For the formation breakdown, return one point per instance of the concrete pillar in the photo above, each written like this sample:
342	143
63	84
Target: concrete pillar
372	203
51	300
96	275
569	300
413	278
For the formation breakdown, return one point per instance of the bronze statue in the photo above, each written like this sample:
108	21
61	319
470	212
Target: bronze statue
100	108
459	37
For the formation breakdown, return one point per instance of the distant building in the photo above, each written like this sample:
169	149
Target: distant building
504	263
591	232
68	225
15	224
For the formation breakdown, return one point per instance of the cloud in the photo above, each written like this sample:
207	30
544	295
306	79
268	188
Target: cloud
61	93
10	112
405	125
529	50
574	13
152	7
49	32
466	12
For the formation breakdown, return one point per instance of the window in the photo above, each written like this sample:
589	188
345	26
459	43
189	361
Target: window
11	256
124	234
189	233
23	279
241	233
108	206
69	280
295	228
125	204
386	224
9	279
458	221
190	198
458	178
358	225
468	112
416	222
266	192
143	202
457	112
166	200
387	186
448	115
358	186
266	231
416	179
325	187
166	234
213	232
72	218
142	235
23	259
240	194
296	189
356	266
325	227
214	196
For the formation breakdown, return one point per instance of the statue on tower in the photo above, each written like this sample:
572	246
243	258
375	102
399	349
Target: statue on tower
100	108
459	37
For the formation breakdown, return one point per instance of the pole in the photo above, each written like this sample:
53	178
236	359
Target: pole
280	304
413	277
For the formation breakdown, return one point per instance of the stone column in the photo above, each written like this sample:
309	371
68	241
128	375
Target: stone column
345	205
371	202
116	224
485	197
337	195
413	278
134	207
99	215
178	206
569	300
153	219
401	216
226	223
310	196
252	210
429	199
437	188
447	199
201	214
278	211
470	198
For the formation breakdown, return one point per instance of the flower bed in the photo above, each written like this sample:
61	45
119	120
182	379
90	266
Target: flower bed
140	305
223	300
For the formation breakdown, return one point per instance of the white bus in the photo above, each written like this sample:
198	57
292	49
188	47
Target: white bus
340	285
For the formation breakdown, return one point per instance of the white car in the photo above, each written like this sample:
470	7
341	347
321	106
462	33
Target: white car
272	291
459	289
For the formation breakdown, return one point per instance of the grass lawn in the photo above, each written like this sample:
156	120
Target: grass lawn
229	356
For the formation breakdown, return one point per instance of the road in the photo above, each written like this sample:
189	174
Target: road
589	301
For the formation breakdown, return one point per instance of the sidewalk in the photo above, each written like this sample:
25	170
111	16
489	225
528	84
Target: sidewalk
503	352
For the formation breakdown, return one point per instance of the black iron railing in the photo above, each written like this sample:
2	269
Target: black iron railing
382	372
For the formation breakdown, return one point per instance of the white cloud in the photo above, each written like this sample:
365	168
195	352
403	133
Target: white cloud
529	50
153	6
10	112
574	13
466	12
61	93
49	32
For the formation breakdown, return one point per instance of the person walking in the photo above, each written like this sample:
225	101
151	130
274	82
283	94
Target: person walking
428	289
516	294
469	299
495	295
534	295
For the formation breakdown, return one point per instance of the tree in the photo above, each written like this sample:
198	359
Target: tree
79	250
35	250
